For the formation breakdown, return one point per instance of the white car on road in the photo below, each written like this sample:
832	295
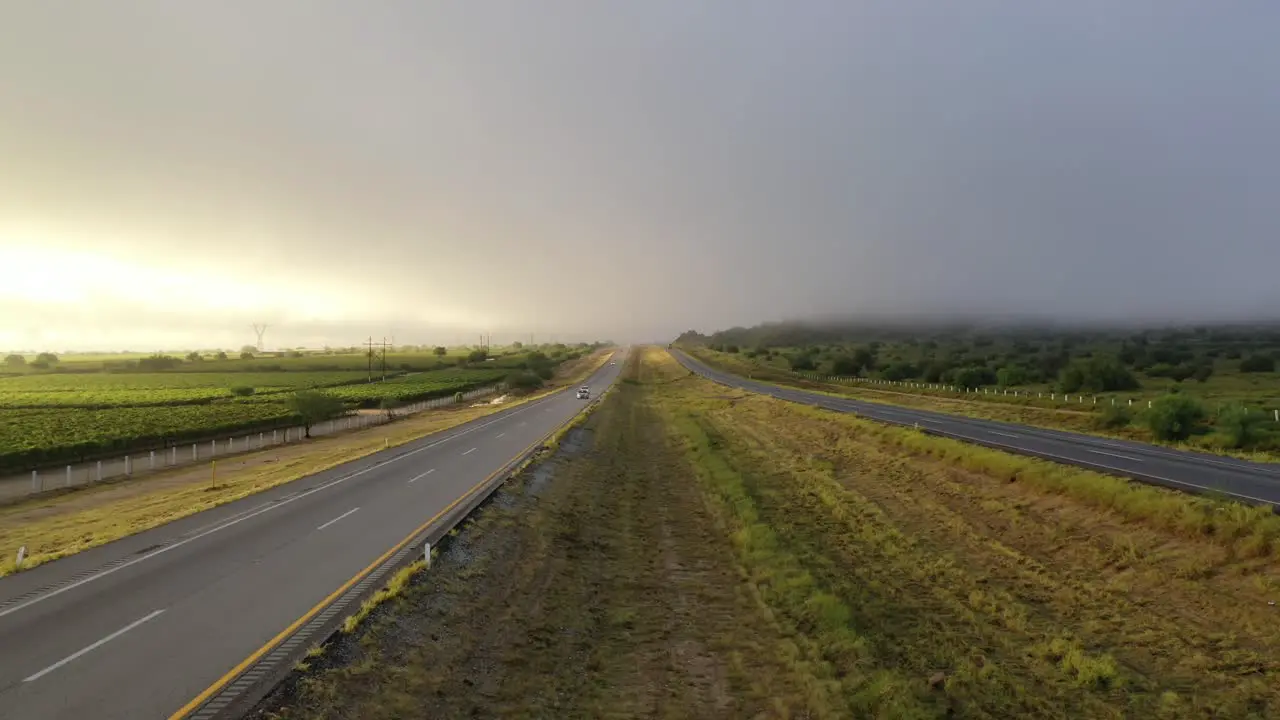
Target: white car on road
584	392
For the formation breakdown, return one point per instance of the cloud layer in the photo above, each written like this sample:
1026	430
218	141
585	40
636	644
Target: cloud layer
631	170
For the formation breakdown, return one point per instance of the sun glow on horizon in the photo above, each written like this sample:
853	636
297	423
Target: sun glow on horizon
96	289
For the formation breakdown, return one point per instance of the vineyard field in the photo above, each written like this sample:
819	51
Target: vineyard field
62	417
421	386
29	437
151	389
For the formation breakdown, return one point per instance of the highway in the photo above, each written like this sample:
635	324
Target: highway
140	627
1189	471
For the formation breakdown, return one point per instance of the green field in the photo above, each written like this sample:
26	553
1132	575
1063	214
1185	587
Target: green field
147	389
68	413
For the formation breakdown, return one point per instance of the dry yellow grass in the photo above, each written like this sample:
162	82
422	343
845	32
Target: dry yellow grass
63	525
1027	589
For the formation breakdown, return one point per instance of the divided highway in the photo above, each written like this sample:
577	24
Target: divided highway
138	628
1194	472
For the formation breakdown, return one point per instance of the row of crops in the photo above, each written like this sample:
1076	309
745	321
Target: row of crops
35	437
150	389
132	415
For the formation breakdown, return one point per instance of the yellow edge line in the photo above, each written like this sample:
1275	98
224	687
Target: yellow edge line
225	680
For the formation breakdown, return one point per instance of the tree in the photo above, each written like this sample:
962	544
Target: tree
313	406
156	363
479	355
1241	426
246	355
389	405
517	345
221	355
47	358
1011	376
845	366
247	349
1097	375
802	362
15	361
440	351
1174	417
194	356
1258	363
524	380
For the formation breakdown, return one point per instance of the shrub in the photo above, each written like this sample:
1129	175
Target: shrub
1258	363
1174	417
1241	426
1097	375
1114	417
1011	376
524	380
242	391
801	362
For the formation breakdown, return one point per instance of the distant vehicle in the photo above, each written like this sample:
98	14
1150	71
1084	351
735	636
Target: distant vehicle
584	392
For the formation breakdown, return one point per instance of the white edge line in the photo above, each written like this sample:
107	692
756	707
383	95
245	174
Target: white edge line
1114	455
92	647
468	452
345	514
499	435
268	507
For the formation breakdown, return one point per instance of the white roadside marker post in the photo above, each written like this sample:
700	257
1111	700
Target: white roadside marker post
426	554
22	556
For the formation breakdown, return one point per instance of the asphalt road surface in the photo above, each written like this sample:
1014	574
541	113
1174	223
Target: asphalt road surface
1195	472
137	628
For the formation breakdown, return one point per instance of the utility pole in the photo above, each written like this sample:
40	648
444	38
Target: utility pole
369	357
384	359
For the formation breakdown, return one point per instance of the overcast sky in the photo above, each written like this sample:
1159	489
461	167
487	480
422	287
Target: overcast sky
172	172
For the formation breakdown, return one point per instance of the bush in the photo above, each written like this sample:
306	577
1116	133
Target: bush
524	380
1241	426
1114	417
801	363
242	391
1174	417
1258	363
1097	375
845	366
1011	376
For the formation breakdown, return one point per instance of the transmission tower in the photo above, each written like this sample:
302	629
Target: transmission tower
260	330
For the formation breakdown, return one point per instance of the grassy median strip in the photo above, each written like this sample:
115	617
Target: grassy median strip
695	551
63	525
